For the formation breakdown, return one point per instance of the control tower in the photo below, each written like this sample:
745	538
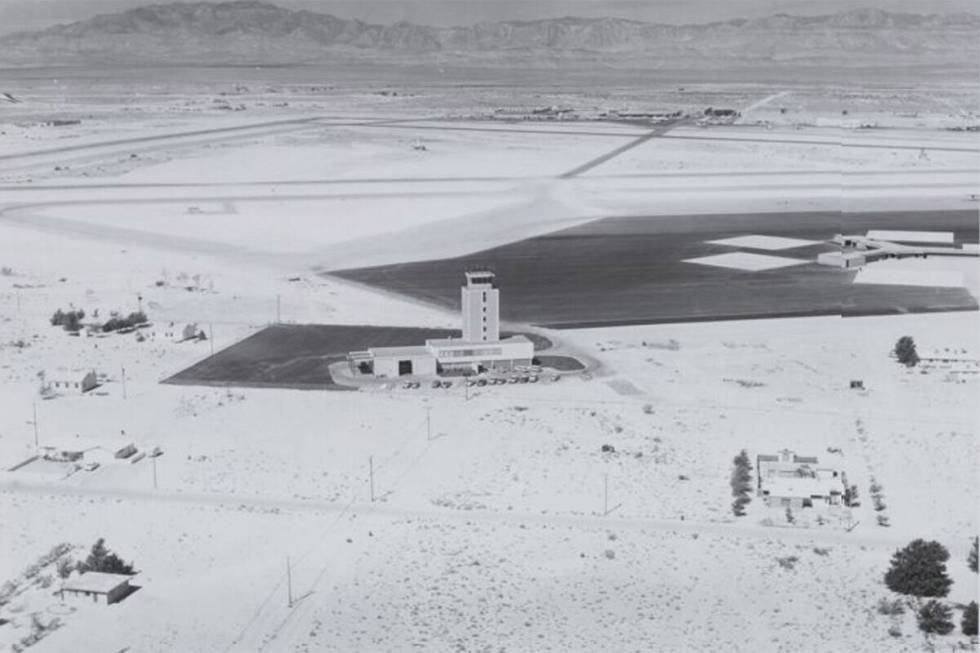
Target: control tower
481	308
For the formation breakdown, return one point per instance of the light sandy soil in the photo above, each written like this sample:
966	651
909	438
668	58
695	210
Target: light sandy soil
487	531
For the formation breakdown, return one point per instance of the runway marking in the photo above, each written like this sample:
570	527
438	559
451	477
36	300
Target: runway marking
746	261
769	243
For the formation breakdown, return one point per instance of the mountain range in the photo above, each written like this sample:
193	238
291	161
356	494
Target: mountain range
254	31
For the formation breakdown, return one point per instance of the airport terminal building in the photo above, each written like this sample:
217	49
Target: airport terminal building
479	350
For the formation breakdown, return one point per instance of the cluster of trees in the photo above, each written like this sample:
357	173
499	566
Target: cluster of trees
115	323
905	351
919	570
100	558
70	321
741	483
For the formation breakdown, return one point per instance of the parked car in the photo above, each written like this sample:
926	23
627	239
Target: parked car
437	383
513	379
533	378
481	382
447	384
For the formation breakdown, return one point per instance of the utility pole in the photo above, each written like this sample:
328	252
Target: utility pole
371	477
289	583
124	382
605	495
139	299
211	337
34	405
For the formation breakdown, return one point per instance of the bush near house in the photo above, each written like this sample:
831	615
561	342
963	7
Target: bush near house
919	570
741	482
101	559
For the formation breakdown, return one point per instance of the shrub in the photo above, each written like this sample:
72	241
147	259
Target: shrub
905	351
969	622
789	562
971	558
64	567
891	608
919	570
738	505
115	322
936	617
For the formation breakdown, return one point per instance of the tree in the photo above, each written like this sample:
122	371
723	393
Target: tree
969	622
936	617
72	321
905	351
919	570
971	558
101	559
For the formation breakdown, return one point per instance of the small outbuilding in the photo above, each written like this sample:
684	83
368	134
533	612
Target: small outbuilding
189	332
71	383
98	587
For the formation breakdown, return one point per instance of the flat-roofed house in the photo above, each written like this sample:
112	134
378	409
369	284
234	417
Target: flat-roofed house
97	586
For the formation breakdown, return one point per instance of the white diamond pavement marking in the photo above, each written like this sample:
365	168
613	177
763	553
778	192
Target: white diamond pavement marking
746	261
770	243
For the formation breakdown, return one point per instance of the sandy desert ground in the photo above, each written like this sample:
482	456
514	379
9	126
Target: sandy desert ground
487	532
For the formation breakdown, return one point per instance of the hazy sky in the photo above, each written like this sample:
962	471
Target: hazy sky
36	14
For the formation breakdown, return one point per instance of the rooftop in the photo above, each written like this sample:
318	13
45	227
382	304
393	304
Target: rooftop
790	486
400	351
95	581
459	342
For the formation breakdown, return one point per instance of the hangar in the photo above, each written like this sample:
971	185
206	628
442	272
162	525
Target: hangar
479	350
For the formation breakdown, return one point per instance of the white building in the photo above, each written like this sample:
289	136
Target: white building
479	350
70	383
798	481
481	308
98	587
